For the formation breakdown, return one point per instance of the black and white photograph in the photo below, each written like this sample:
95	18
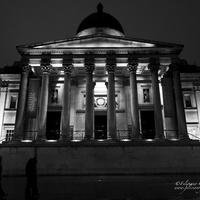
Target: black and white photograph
100	100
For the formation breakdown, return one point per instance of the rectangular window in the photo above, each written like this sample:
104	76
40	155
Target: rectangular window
188	103
9	135
13	102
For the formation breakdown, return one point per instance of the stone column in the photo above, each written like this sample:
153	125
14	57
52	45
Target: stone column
89	107
111	105
43	103
19	123
153	67
65	130
132	67
180	111
169	106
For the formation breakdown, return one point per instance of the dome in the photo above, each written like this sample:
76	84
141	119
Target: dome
99	21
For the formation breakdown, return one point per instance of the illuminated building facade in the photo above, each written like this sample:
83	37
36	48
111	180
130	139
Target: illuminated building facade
99	85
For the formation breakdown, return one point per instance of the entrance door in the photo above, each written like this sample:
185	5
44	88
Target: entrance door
147	124
100	127
53	125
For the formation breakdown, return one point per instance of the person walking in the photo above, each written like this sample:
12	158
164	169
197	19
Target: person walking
31	174
2	193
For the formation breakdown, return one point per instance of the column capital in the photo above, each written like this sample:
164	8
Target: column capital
111	68
25	68
89	67
68	68
132	67
46	68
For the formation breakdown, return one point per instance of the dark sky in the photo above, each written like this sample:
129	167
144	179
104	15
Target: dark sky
32	21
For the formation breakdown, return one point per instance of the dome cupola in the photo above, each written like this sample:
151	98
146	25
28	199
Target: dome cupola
100	22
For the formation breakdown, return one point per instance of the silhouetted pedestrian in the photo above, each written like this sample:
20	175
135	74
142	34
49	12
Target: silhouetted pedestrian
31	174
2	193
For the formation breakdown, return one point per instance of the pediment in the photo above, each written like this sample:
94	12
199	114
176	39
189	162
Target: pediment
101	42
97	42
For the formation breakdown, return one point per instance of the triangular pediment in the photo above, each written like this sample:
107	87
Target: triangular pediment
99	41
96	42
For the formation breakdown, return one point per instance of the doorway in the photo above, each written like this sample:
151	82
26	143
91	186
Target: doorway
147	124
53	125
100	122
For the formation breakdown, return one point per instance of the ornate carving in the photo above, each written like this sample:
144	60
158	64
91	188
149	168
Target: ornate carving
154	65
111	68
89	68
25	68
46	68
132	67
68	68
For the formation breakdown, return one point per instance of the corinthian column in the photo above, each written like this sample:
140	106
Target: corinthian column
182	128
43	104
65	131
153	67
19	123
89	108
132	67
111	107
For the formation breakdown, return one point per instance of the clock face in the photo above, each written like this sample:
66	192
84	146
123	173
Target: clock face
100	101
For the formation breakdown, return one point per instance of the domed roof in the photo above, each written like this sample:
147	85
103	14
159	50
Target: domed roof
100	19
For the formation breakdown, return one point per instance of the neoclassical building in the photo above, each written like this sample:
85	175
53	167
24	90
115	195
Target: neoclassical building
100	85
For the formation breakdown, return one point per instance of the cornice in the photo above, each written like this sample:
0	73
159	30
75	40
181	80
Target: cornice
98	51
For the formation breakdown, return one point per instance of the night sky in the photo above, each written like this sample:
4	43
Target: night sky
32	21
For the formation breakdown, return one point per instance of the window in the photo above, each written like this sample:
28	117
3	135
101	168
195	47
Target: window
13	102
9	135
187	99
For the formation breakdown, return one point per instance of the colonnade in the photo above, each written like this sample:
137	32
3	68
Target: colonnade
111	107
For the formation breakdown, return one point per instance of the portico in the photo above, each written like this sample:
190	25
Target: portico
100	74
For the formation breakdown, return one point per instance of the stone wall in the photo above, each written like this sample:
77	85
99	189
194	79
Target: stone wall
124	158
